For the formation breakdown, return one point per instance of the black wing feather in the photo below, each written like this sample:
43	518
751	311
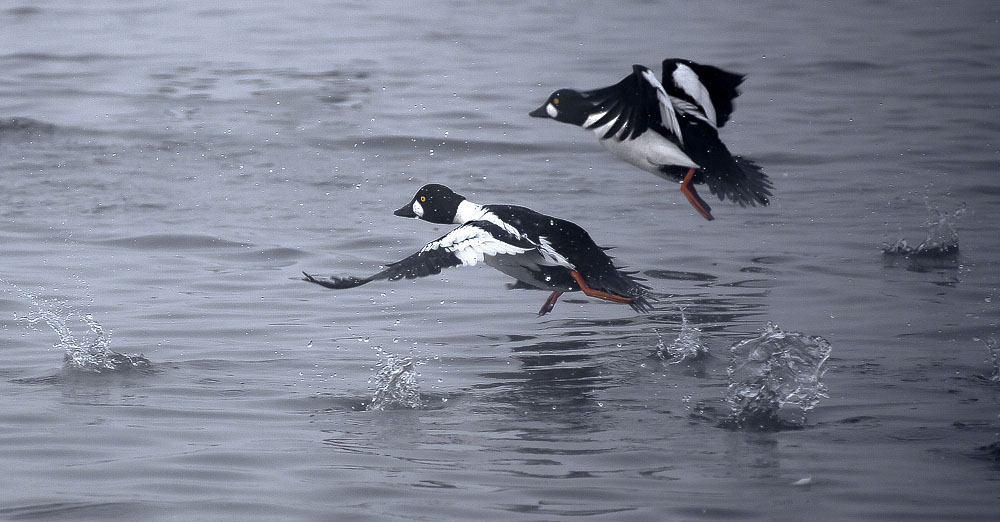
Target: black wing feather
722	86
431	259
745	183
631	104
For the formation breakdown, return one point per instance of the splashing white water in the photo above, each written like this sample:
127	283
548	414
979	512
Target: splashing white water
942	235
687	345
773	372
395	382
92	352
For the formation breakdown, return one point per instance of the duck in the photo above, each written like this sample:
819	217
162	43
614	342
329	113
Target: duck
669	128
538	251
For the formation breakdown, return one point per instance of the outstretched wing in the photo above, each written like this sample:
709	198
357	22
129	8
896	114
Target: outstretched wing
633	105
467	245
701	91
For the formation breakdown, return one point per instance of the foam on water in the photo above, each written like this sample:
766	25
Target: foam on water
395	382
773	377
687	345
91	352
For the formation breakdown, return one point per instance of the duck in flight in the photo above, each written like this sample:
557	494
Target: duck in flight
670	129
538	251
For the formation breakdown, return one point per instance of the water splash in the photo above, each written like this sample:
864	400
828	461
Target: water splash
686	346
395	383
941	241
89	353
773	376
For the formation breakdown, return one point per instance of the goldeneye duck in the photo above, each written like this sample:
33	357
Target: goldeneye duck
669	129
538	251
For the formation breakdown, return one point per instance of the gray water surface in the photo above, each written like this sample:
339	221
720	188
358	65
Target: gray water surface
170	168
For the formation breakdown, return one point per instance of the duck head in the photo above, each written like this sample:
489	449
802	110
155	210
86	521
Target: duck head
433	202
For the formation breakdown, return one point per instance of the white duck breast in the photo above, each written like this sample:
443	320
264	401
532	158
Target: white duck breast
649	151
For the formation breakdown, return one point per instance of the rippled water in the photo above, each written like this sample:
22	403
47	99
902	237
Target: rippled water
167	171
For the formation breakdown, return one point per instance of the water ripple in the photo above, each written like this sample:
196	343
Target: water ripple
74	511
424	144
174	242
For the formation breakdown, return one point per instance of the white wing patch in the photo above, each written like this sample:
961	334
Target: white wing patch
471	244
550	256
493	218
469	211
666	108
686	107
688	81
592	119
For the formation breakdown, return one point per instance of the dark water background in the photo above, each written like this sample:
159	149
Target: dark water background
169	168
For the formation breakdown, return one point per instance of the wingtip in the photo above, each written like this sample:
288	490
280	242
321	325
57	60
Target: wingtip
642	69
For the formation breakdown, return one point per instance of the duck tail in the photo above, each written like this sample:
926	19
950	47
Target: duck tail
739	180
630	285
755	186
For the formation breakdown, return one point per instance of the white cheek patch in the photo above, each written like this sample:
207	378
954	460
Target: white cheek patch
418	209
551	110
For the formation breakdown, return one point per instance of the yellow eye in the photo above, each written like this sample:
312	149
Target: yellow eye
555	101
423	199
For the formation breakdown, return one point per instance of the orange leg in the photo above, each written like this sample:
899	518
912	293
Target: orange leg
549	303
598	293
687	188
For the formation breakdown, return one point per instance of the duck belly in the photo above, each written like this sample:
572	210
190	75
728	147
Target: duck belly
650	152
530	272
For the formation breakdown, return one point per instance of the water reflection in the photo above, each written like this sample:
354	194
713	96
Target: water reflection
554	376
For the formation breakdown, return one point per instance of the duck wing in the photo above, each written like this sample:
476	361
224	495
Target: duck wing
634	105
466	245
702	91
